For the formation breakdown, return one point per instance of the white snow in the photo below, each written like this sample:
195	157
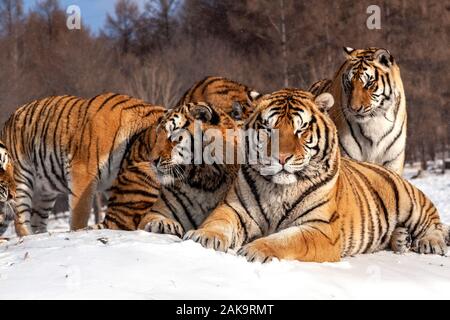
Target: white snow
138	265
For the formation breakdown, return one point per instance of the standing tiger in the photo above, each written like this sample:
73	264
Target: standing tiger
158	192
370	110
232	97
312	205
71	146
7	189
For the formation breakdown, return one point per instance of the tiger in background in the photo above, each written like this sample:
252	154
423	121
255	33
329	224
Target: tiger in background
234	98
7	189
71	146
370	110
315	205
154	190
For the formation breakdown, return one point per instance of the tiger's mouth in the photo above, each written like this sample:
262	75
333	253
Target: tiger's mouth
166	179
283	174
360	116
168	174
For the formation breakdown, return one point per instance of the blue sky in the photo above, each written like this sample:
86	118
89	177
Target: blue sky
93	12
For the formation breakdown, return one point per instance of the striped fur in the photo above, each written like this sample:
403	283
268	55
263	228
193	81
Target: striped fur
7	189
154	192
318	207
71	146
370	110
232	97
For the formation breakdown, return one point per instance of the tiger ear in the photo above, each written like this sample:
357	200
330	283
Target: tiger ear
254	95
324	101
202	113
348	52
384	57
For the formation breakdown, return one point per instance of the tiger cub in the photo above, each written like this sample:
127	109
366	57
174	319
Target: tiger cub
311	205
370	111
7	189
158	192
234	98
71	146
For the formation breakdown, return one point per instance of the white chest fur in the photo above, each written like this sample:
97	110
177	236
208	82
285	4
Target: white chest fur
376	139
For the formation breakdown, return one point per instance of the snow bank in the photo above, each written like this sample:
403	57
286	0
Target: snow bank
138	265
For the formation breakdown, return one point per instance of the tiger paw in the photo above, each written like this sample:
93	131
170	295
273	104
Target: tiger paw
257	252
209	239
432	243
165	226
401	240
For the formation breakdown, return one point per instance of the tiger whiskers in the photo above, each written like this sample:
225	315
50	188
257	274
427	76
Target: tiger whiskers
172	170
179	172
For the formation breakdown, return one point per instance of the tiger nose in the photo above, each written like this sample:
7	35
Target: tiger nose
283	157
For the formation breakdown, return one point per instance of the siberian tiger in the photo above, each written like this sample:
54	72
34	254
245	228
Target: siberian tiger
72	146
232	97
154	190
7	189
315	206
370	110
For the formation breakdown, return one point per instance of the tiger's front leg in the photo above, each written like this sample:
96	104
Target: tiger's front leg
161	220
220	231
314	242
83	190
22	220
158	223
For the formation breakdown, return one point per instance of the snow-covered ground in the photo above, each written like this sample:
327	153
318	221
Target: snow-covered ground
138	265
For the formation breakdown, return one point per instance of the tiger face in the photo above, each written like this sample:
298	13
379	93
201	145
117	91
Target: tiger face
177	135
304	133
367	83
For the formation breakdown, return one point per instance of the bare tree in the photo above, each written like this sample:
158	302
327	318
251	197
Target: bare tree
11	18
122	26
154	81
47	9
11	13
159	52
160	11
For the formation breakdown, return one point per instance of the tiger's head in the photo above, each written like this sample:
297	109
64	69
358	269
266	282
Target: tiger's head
233	97
369	85
7	189
179	138
238	106
307	137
